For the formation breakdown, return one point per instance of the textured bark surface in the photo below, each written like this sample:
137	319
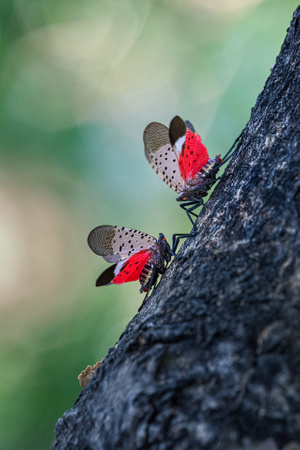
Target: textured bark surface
213	359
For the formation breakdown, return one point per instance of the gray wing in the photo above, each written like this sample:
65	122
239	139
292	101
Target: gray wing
161	155
116	243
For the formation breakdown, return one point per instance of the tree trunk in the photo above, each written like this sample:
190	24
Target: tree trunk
213	359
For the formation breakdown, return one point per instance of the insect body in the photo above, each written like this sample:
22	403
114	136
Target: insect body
181	160
136	255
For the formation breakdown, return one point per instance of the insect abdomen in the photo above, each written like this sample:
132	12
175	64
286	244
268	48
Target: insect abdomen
145	276
209	166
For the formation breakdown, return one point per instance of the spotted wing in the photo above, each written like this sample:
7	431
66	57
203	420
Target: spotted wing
161	155
188	145
118	243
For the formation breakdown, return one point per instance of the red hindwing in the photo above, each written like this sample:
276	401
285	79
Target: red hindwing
176	153
193	156
132	268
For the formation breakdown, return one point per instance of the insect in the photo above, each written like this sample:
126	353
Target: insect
181	160
136	255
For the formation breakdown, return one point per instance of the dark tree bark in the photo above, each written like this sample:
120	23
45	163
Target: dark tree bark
213	359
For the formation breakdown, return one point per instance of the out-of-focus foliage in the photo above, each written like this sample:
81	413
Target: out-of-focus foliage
79	82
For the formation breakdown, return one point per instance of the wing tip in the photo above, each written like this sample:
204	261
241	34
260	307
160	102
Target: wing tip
155	135
99	239
177	129
106	277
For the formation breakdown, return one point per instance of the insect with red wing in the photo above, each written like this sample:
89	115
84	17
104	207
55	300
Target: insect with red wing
181	160
136	255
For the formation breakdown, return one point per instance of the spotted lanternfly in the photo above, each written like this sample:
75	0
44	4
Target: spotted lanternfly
181	160
137	255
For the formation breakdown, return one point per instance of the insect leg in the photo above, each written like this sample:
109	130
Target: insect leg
229	155
186	206
176	238
189	208
144	301
173	253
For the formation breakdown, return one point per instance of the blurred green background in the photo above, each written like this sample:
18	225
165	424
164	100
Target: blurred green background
79	82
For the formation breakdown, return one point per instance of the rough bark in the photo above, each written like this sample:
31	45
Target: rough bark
213	359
